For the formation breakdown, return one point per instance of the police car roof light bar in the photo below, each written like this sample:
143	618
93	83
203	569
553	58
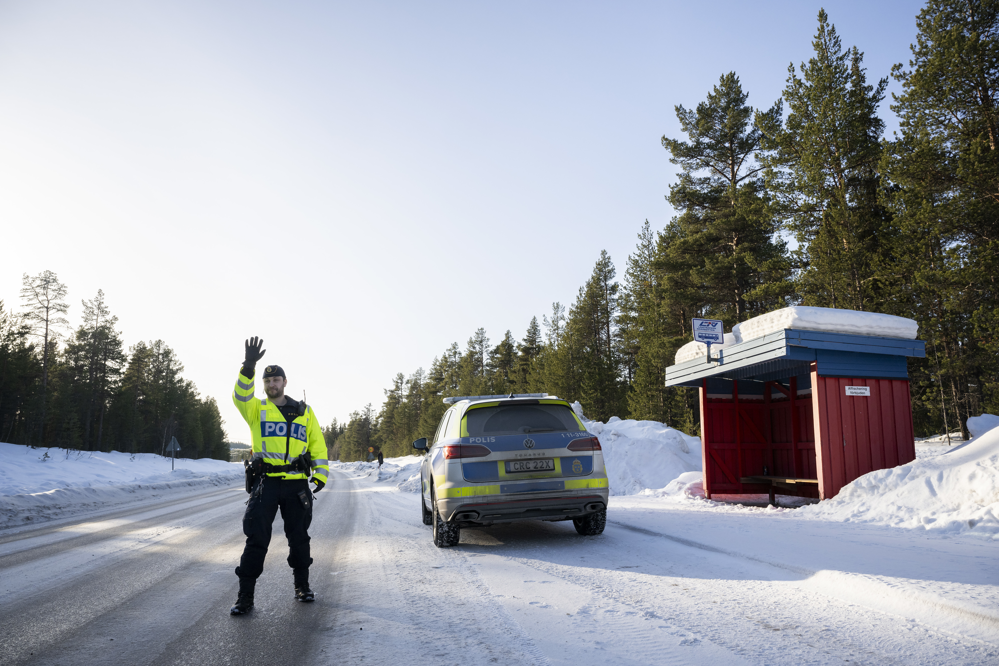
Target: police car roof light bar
453	400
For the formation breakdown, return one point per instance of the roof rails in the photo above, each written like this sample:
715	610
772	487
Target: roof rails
453	400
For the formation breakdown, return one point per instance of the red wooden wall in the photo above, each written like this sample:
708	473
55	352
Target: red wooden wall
857	435
828	435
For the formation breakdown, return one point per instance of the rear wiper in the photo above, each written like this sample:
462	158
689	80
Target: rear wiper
527	430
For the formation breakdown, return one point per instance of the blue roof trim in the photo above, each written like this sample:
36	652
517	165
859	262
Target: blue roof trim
790	352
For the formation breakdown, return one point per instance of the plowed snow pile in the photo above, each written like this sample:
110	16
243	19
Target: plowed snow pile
402	473
643	455
952	492
45	483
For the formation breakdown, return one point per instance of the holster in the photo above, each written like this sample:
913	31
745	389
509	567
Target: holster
254	470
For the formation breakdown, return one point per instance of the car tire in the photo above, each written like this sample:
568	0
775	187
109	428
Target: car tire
593	524
426	515
446	534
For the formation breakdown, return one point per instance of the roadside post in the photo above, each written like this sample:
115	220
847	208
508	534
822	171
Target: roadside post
710	332
174	447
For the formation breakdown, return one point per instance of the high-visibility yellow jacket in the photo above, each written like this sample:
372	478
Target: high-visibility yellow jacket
275	440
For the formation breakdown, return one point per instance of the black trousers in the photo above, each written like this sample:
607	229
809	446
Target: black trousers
294	500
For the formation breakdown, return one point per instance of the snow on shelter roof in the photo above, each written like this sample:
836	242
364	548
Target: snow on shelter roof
805	318
831	320
790	352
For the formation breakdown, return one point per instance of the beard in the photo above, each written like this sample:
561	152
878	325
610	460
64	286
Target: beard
274	392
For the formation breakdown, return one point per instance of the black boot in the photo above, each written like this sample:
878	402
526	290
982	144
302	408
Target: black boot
302	591
244	603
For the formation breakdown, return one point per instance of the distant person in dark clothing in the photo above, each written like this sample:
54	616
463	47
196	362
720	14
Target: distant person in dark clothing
380	459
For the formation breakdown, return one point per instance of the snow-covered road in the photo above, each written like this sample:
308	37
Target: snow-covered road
663	585
667	583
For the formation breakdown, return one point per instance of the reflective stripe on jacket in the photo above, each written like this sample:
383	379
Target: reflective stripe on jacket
277	441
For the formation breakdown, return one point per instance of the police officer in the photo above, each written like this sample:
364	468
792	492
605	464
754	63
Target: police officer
288	445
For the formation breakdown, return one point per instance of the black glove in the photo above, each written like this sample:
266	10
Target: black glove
253	354
319	485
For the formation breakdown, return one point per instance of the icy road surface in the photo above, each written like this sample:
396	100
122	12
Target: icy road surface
663	585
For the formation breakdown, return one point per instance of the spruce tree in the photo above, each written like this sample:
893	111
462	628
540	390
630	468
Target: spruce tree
501	366
528	349
591	345
645	332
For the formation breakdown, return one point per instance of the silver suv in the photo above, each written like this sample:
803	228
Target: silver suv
498	459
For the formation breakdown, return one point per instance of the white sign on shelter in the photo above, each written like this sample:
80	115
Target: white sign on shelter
857	390
708	331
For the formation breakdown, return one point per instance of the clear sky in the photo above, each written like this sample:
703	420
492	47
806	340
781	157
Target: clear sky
362	183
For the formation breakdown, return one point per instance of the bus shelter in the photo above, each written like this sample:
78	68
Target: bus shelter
801	412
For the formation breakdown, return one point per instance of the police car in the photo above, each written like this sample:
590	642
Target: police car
498	459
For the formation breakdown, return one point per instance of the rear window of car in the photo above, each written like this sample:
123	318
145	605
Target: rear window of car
519	420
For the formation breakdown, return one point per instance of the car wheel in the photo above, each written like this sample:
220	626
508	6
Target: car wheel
445	533
426	515
593	524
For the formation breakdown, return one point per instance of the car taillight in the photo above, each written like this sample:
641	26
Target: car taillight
585	444
466	451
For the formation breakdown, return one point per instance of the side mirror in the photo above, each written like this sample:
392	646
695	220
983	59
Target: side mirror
420	444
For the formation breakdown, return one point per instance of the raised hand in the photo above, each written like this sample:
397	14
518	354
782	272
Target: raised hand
253	351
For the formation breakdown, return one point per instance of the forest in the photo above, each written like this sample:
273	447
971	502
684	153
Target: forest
804	202
90	393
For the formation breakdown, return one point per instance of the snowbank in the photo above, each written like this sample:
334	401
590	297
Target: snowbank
643	455
950	493
26	470
41	484
402	473
826	319
638	456
980	425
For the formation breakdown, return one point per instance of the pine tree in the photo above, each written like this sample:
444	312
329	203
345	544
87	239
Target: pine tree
96	352
415	400
213	433
553	366
43	296
944	169
727	231
824	170
19	374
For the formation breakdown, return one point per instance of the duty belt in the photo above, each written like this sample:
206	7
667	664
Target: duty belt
285	469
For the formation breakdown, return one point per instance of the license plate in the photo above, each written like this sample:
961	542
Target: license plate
548	465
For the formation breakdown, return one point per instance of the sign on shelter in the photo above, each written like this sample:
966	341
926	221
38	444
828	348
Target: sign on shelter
708	331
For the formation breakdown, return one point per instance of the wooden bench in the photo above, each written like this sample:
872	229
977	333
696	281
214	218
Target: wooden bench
773	481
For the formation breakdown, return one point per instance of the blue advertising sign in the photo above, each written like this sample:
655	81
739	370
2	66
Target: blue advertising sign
708	331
